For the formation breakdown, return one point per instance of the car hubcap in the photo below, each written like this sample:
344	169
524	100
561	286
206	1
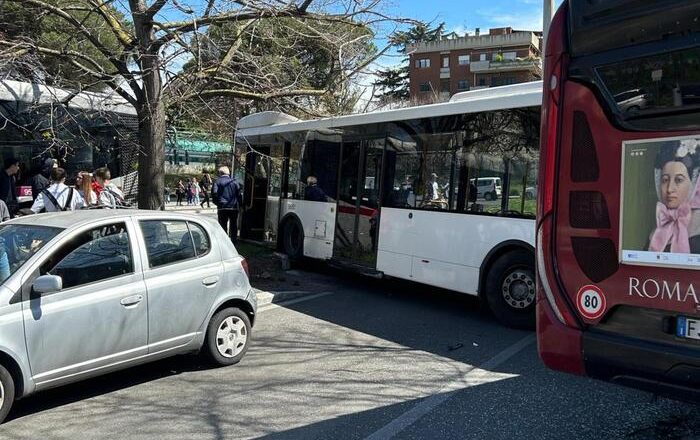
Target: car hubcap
2	394
231	337
519	289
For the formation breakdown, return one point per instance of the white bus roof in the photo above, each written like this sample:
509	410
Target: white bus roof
497	98
19	91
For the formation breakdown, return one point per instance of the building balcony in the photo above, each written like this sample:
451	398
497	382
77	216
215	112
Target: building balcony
505	66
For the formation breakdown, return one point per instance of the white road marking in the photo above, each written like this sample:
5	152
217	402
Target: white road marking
272	306
476	376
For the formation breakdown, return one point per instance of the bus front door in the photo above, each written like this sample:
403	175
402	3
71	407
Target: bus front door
255	188
357	224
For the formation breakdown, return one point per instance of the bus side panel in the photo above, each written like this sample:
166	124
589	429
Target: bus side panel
447	249
318	221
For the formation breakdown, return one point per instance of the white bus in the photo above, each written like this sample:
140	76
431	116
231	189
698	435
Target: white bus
396	193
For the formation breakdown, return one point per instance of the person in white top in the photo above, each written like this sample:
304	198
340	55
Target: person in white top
58	196
110	196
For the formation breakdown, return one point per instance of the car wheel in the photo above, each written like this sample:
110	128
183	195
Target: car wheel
293	240
510	289
7	392
488	197
228	336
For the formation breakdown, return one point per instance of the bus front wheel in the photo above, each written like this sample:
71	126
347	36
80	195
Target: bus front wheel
293	240
510	289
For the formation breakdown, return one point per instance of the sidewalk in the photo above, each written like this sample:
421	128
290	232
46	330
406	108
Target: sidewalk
194	209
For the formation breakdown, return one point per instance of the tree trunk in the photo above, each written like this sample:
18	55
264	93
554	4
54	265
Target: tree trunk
151	112
151	155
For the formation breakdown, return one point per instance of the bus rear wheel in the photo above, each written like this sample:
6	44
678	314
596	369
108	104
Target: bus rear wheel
293	240
510	289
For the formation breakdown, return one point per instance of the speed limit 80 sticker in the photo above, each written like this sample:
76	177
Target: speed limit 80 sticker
590	302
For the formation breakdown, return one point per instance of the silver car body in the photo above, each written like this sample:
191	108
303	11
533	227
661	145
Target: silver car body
115	323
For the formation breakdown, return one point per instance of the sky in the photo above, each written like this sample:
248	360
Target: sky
466	15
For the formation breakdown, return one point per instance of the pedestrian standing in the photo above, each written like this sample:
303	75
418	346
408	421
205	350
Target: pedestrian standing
8	188
190	192
110	196
179	192
83	184
41	180
206	188
226	193
196	190
58	196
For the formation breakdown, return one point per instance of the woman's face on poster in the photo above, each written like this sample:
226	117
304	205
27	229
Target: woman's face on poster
675	184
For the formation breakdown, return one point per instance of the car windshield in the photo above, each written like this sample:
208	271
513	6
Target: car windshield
18	243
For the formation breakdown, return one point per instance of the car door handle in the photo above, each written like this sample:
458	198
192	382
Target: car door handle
131	300
211	281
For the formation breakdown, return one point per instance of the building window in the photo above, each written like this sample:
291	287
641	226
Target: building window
482	57
425	87
445	62
463	84
482	81
423	63
509	56
445	85
464	60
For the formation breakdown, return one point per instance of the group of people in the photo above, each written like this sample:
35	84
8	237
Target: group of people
195	192
51	193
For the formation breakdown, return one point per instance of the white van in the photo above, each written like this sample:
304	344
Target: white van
488	188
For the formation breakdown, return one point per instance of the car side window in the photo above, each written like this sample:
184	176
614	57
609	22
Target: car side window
94	255
201	239
167	241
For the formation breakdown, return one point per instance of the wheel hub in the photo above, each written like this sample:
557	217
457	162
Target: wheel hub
231	337
519	289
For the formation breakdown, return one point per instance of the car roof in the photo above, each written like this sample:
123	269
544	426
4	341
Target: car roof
70	219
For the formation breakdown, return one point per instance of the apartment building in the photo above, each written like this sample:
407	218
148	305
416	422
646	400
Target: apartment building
439	69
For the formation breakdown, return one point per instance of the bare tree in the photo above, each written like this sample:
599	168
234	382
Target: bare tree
157	37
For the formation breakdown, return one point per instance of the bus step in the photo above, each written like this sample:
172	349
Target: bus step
354	267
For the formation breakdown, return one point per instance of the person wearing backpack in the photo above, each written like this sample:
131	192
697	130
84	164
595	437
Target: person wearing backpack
110	196
58	196
226	194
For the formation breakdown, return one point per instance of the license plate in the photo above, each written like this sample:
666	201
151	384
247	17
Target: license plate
688	328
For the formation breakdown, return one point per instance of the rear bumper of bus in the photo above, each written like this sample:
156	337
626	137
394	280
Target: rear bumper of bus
655	366
659	368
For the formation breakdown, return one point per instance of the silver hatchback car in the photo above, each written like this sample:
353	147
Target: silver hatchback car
88	292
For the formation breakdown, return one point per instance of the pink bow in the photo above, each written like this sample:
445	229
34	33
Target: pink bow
671	225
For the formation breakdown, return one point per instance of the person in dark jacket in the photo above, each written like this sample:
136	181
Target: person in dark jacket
41	180
8	189
226	194
313	192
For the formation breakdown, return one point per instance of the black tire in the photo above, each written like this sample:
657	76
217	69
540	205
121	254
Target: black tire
488	197
293	240
212	341
510	289
7	392
494	195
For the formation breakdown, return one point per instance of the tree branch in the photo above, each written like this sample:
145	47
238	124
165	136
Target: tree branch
252	95
154	9
123	35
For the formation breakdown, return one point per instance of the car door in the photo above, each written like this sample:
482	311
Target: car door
182	274
99	317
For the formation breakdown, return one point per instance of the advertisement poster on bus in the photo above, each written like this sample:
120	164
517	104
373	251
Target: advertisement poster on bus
661	202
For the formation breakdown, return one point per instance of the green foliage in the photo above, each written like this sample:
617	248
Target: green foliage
27	23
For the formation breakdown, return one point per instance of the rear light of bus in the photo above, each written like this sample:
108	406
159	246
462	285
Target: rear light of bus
554	68
554	77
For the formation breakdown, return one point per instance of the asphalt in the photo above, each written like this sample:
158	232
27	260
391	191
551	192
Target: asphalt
341	357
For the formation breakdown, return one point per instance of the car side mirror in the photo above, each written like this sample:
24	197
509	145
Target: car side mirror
47	284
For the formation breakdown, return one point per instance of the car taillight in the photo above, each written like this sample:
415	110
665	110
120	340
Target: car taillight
244	263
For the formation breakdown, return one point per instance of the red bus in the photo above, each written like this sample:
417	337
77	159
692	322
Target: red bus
618	227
